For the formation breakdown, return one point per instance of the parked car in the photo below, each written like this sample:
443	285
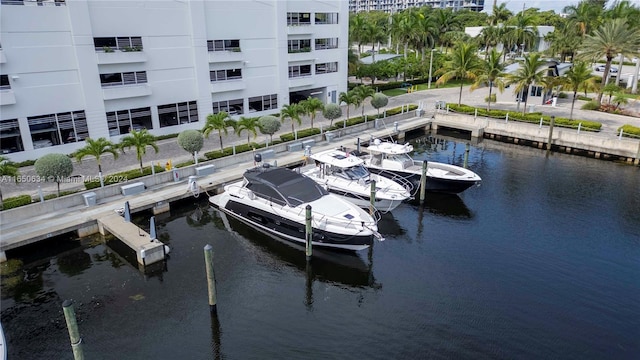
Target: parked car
613	69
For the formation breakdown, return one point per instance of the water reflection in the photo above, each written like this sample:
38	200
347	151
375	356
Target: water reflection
345	268
447	205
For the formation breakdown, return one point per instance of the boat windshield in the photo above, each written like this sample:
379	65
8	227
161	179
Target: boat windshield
302	191
353	173
403	159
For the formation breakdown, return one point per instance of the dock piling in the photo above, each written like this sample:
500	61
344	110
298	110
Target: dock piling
372	206
423	181
467	147
127	212
308	235
211	279
152	228
72	327
552	122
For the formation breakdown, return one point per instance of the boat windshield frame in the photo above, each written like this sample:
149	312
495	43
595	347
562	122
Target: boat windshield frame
355	172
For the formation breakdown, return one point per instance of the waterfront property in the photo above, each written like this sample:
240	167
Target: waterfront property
73	72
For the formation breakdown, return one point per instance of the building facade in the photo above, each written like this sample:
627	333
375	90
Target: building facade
391	6
99	68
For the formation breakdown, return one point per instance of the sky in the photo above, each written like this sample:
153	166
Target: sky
544	5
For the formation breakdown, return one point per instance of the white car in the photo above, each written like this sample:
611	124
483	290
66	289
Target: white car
613	69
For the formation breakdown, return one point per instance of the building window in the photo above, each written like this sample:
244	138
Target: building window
296	46
56	129
119	79
231	107
327	43
326	68
4	82
261	103
326	18
123	121
180	113
10	139
294	19
299	70
111	44
222	75
223	45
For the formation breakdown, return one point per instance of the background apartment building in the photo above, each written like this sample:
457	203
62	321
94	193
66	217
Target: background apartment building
99	68
391	6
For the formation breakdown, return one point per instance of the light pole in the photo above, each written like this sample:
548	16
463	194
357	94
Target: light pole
430	66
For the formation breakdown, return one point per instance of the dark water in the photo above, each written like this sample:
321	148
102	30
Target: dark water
540	262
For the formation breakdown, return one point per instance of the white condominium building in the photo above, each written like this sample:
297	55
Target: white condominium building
390	6
99	68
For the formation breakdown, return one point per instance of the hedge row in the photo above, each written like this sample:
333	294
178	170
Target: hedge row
390	85
121	176
530	117
14	202
629	130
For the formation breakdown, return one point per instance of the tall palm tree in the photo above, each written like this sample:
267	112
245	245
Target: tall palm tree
218	122
610	39
7	168
464	64
97	148
139	140
357	24
530	72
523	32
491	73
348	98
500	14
250	124
311	106
444	21
362	93
575	78
584	16
293	112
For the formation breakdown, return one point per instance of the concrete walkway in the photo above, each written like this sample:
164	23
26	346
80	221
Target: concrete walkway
169	149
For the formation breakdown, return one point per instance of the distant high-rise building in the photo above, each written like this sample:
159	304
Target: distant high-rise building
390	6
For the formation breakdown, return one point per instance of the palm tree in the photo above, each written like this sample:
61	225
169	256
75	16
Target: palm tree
583	16
610	39
250	124
311	106
7	168
576	78
348	98
610	90
218	122
139	140
362	93
492	73
500	14
523	32
97	148
530	71
293	112
464	64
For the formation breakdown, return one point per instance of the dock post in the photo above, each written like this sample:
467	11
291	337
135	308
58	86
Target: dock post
152	228
466	155
101	179
358	145
127	212
40	194
540	123
234	149
72	326
423	181
308	234
372	197
475	116
506	118
579	126
211	279
552	122
620	135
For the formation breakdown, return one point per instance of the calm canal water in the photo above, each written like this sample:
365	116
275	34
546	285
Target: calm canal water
542	261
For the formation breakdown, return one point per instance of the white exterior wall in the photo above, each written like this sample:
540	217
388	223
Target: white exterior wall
53	66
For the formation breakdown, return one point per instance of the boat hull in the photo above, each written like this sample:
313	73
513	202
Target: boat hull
383	205
290	230
434	184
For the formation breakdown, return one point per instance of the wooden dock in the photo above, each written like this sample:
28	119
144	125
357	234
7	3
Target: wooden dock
148	251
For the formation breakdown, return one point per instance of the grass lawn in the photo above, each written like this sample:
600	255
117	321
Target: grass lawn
450	84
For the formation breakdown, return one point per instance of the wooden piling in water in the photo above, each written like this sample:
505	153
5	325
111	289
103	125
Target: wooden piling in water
372	198
423	181
308	235
72	327
211	279
467	147
551	124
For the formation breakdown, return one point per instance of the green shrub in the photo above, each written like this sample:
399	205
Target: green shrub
168	136
629	130
16	201
591	105
216	154
562	95
492	99
301	134
585	98
26	163
121	177
62	193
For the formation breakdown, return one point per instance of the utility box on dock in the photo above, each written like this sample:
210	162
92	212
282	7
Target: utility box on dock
132	189
89	198
205	170
297	146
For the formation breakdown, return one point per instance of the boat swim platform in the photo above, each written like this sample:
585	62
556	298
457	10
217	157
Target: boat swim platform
148	250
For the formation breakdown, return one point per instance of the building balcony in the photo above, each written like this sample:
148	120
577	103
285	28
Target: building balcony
225	56
3	59
121	57
229	85
126	91
301	81
7	97
301	56
299	29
